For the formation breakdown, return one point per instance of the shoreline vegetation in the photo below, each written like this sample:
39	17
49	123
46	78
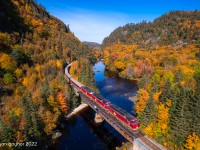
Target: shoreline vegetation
165	56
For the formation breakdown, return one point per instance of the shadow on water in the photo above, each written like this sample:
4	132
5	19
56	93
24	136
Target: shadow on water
81	132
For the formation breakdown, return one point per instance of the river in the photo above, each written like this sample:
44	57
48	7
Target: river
81	133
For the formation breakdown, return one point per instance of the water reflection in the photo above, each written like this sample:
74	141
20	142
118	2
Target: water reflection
116	89
81	133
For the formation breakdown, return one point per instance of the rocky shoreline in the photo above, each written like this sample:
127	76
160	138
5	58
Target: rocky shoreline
133	99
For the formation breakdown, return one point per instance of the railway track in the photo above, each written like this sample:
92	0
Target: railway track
139	136
129	134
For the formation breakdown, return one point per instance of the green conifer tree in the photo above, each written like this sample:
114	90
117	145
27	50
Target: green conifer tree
180	119
195	106
29	115
166	94
149	113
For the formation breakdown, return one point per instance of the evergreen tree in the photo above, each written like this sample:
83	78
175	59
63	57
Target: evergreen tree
29	115
70	94
155	85
188	112
76	101
195	107
181	117
5	133
178	75
143	81
175	95
44	88
149	113
166	94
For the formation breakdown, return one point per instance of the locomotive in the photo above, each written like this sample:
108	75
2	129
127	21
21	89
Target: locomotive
119	113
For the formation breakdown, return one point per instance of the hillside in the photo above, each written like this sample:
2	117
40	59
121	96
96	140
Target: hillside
164	57
93	44
34	49
172	28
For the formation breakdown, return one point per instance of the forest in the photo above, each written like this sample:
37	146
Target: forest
164	57
34	49
173	28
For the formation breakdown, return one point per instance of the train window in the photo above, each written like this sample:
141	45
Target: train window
133	121
88	90
107	104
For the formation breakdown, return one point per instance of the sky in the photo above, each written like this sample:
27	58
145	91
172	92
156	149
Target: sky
93	20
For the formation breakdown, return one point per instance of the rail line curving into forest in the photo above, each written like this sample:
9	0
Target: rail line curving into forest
126	124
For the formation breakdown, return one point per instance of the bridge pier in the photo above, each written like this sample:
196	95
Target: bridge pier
98	118
139	140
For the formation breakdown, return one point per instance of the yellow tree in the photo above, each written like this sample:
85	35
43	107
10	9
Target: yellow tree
49	120
38	69
18	73
163	120
6	62
52	102
62	102
73	70
142	98
59	64
193	142
119	65
163	116
156	96
149	130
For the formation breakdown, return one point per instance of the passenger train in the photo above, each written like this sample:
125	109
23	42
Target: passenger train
120	114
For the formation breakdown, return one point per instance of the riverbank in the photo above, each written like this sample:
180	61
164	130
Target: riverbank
80	123
125	146
81	107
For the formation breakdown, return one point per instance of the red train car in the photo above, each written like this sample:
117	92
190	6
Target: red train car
101	100
87	91
134	124
125	117
122	115
113	109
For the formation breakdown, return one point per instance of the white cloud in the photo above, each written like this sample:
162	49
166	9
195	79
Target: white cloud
89	26
95	26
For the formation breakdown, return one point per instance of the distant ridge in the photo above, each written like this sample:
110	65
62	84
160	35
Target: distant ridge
173	28
93	44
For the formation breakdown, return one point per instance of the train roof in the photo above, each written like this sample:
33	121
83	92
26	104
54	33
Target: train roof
76	82
87	89
122	112
135	122
67	71
100	97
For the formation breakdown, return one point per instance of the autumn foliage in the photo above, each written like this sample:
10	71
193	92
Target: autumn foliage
62	102
193	142
142	99
167	68
34	49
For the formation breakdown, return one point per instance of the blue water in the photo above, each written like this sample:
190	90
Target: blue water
115	89
81	133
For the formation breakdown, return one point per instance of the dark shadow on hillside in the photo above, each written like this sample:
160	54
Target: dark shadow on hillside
10	21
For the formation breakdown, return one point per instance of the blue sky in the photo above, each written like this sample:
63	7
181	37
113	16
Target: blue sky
93	20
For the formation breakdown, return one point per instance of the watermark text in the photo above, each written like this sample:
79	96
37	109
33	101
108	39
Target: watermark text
23	144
